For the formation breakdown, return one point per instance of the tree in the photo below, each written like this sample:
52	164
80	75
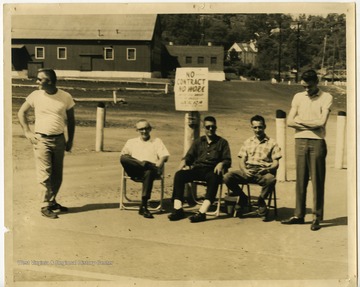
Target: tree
279	41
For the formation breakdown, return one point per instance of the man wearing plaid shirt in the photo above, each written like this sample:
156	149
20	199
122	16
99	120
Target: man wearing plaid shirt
259	160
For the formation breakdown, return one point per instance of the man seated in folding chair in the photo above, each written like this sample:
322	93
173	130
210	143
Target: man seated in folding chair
259	160
143	158
207	160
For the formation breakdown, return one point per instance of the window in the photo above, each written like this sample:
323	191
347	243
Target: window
200	60
109	53
61	53
188	60
39	53
213	60
131	54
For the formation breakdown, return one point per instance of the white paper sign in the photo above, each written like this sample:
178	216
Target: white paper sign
191	89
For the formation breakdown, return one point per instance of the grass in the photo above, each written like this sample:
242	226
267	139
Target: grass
228	101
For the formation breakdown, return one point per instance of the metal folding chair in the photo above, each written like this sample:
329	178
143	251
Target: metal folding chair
124	197
271	198
200	201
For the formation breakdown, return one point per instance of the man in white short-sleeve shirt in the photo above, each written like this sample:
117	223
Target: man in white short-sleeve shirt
143	158
54	110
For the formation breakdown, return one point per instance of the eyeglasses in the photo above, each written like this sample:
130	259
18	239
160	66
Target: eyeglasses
38	79
211	127
258	128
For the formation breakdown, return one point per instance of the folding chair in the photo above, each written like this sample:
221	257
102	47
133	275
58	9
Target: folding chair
271	198
199	202
124	196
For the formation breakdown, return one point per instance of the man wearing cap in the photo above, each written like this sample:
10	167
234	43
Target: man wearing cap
207	159
308	116
143	158
54	109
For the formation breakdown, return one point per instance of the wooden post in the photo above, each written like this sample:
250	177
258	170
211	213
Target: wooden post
166	88
100	123
115	96
340	139
191	132
281	140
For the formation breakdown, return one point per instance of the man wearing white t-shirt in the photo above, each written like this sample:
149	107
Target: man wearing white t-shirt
308	116
143	158
54	109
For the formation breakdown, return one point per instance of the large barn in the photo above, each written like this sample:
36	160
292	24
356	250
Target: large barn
87	45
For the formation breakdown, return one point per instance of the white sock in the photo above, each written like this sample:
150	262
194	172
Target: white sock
205	206
177	204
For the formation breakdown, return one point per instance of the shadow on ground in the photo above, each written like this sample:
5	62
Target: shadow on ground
91	207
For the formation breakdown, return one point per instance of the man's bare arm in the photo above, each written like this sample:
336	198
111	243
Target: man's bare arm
24	122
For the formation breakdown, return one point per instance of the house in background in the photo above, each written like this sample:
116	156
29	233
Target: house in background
246	52
211	57
122	45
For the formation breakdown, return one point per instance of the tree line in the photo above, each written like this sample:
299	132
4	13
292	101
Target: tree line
284	42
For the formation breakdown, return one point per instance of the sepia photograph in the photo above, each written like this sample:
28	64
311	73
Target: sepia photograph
180	144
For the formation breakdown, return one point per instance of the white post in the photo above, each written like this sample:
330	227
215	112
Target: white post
100	123
340	139
191	132
281	140
191	129
166	88
114	97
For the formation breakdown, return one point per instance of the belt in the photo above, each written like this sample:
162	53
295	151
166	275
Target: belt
49	136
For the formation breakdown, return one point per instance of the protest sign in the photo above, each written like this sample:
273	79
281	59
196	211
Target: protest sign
191	89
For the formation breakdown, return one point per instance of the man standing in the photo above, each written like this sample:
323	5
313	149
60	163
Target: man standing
308	116
259	160
207	159
143	158
53	108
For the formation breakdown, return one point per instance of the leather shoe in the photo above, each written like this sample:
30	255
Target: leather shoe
293	220
145	212
198	217
315	225
177	214
58	207
262	210
45	211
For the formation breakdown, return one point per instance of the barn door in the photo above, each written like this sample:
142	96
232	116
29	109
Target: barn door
33	68
85	64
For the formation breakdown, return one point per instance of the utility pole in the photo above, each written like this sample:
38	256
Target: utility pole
324	51
297	52
279	64
333	59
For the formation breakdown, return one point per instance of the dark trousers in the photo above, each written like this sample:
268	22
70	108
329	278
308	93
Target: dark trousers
234	178
310	161
145	171
204	174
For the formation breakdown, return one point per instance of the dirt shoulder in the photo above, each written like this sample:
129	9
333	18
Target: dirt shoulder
97	242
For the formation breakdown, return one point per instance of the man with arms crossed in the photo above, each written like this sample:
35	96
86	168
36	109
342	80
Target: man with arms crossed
53	108
308	116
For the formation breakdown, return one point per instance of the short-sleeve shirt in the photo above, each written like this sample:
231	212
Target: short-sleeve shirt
151	150
311	109
259	153
50	110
